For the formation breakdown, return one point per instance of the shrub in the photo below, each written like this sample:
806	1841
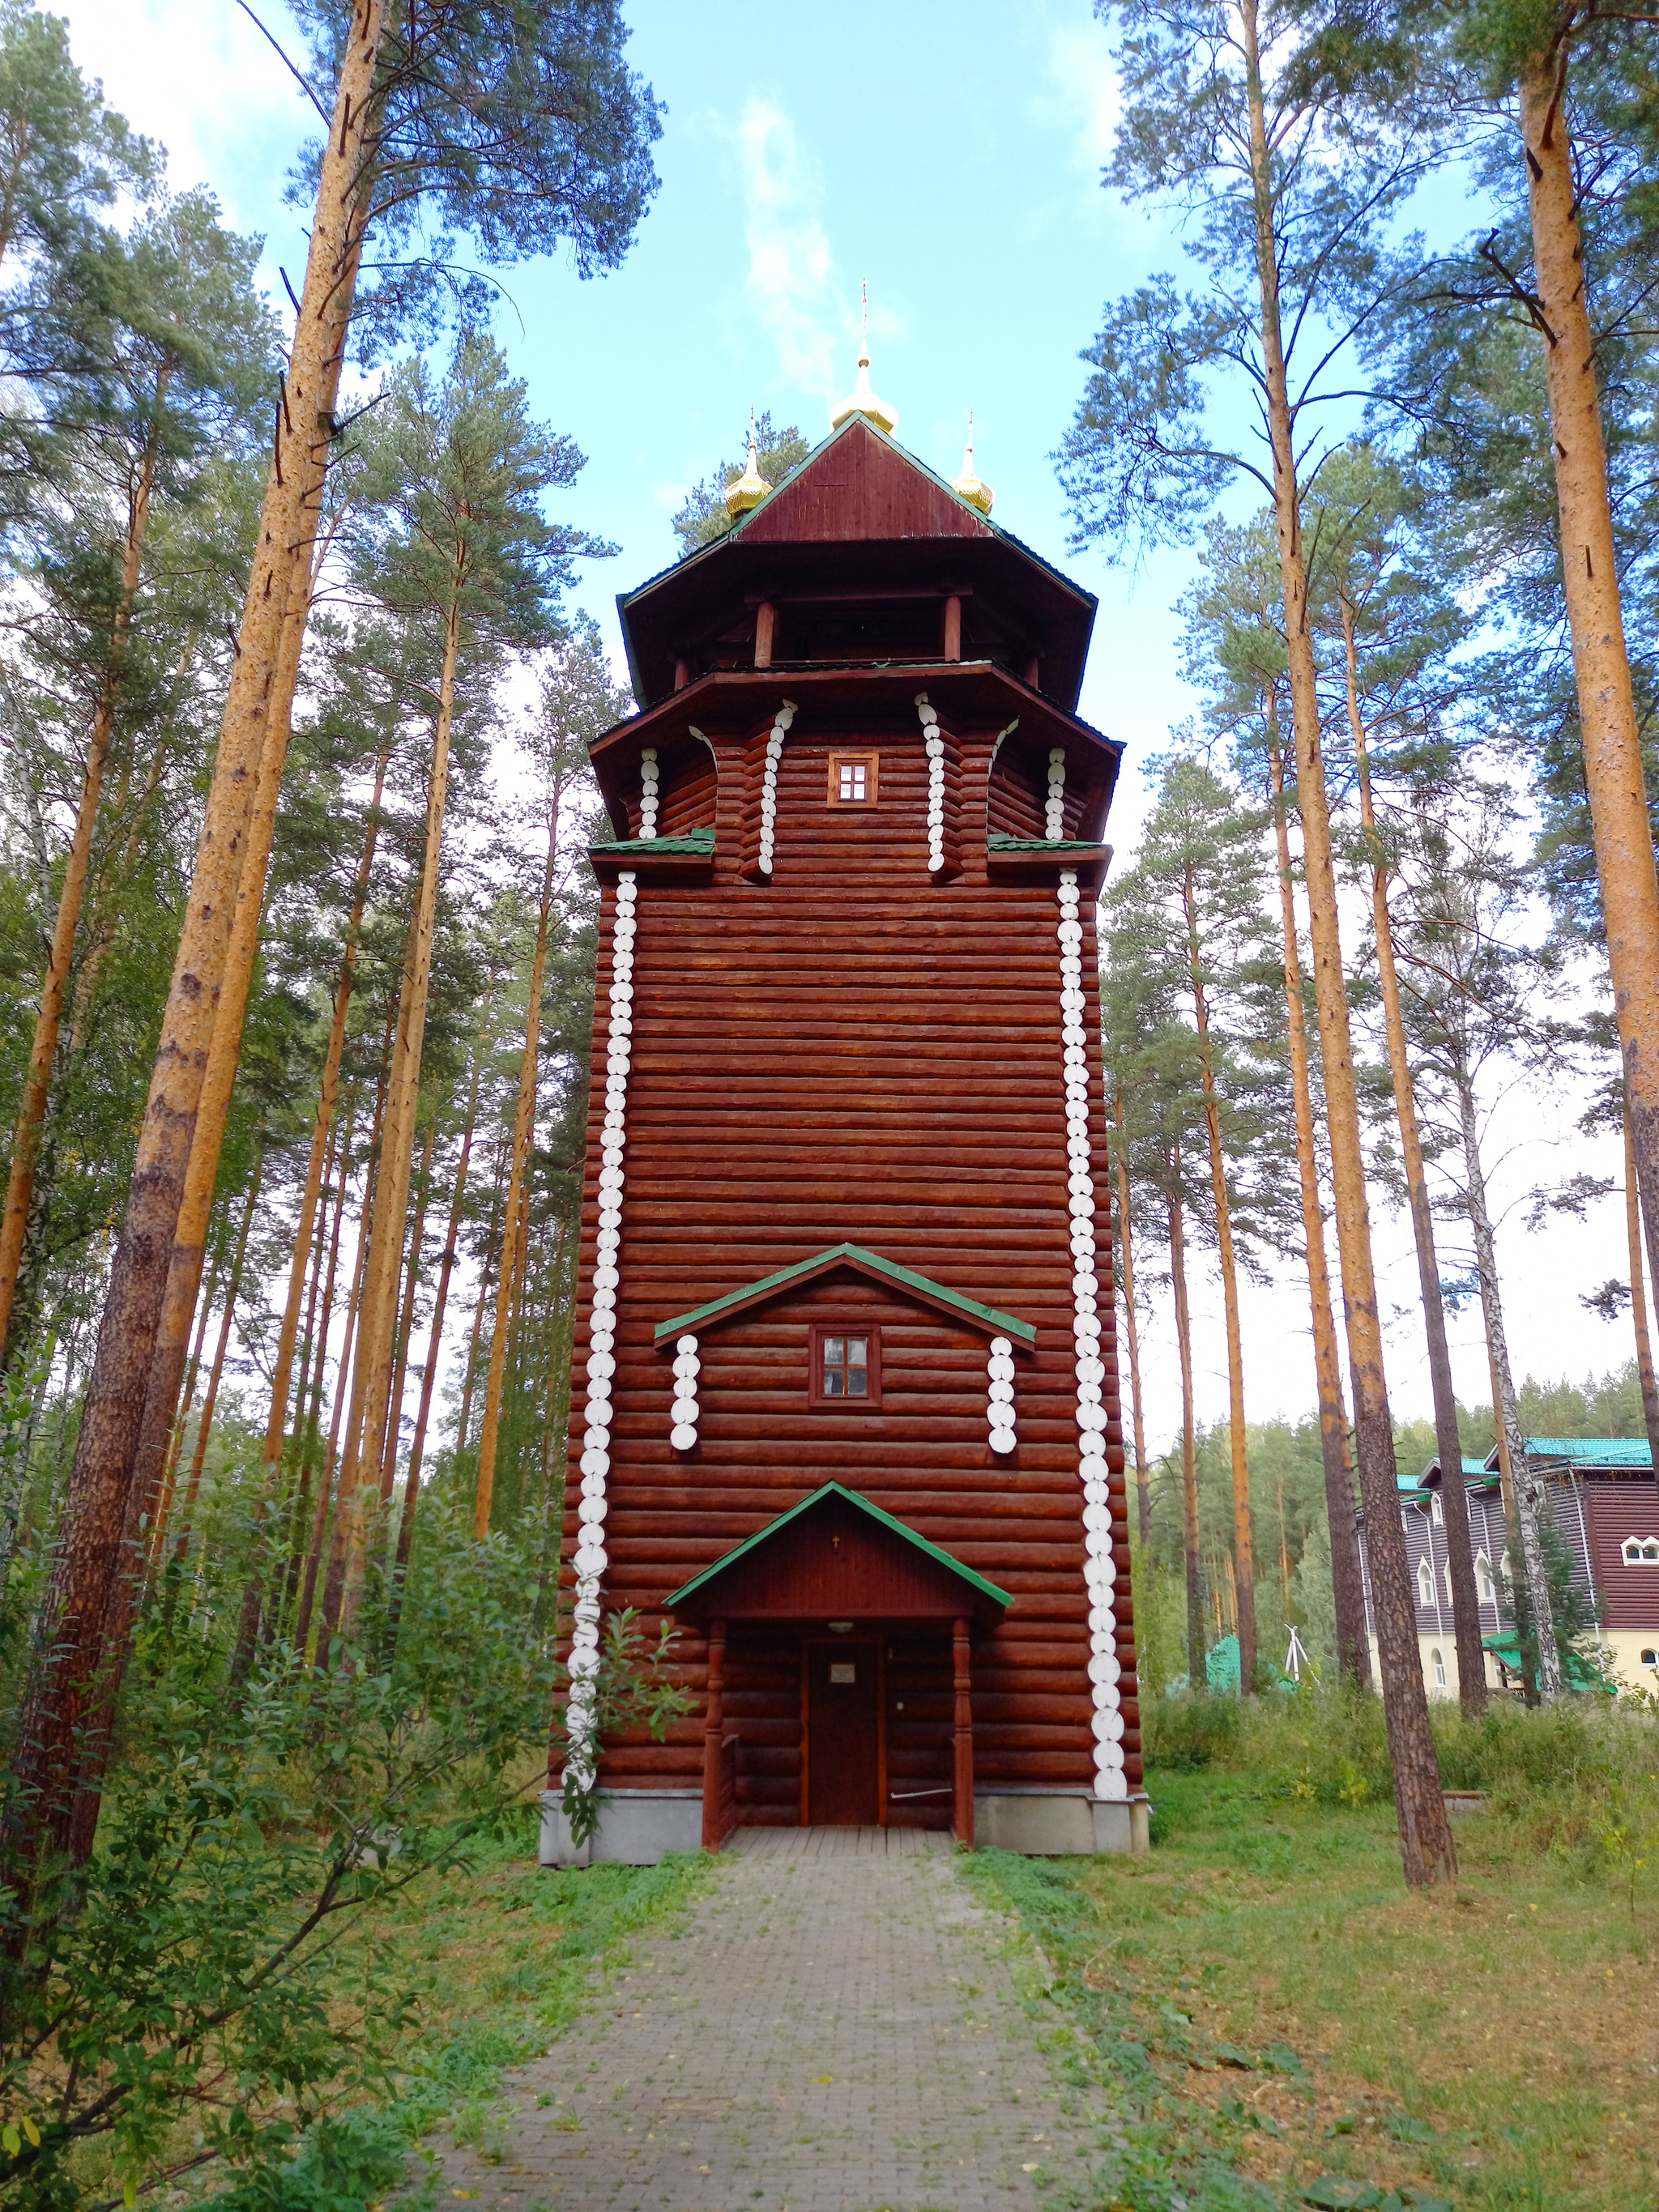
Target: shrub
1190	1731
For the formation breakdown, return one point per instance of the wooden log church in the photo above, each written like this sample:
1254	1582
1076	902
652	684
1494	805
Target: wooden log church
845	1402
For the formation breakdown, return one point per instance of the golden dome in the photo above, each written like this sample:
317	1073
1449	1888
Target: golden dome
861	400
967	486
750	488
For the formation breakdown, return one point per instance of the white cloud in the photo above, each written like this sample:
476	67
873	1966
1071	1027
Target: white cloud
792	279
1080	63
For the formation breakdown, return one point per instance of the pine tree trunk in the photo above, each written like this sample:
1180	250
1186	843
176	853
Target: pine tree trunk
523	1125
1143	1475
1197	1674
311	1422
32	1115
465	1419
1427	1851
186	1404
440	1300
406	1323
1353	1645
1244	1534
1526	1491
1454	1497
282	1369
1638	1302
1589	570
69	1649
211	1399
371	1382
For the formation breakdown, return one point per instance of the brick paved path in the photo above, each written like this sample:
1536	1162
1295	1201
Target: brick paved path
835	2031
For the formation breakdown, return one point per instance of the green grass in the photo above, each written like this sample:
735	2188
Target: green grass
500	1957
1266	2005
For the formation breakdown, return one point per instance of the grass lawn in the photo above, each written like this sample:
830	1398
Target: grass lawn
485	1967
1277	2008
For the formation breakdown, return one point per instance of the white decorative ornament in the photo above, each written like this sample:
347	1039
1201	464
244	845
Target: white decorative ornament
785	714
648	791
929	719
683	1434
1000	1395
581	1764
1099	1568
1053	814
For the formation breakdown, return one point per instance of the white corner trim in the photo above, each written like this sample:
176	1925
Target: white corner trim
648	791
581	1711
1099	1568
769	822
935	743
1054	813
1000	1395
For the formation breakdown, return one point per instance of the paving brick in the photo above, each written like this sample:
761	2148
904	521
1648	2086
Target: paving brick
835	2030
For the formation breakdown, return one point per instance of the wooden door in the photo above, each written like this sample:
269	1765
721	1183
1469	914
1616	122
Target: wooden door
843	1734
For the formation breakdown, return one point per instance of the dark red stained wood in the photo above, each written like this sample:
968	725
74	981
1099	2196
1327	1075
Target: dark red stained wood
1615	1508
861	487
833	1563
854	1051
844	1701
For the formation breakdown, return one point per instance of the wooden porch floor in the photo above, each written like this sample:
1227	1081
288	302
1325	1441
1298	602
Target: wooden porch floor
839	1843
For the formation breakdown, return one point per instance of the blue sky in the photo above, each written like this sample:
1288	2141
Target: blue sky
950	155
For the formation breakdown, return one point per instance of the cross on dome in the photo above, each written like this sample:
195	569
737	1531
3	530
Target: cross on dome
750	488
967	486
862	400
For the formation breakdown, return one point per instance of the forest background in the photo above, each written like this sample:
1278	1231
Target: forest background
372	1229
793	167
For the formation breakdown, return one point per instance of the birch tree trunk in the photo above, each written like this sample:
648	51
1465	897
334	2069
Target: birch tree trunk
523	1126
68	1650
1607	707
1347	1583
1143	1477
1527	1491
1243	1532
1427	1851
1454	1497
36	1083
1197	1673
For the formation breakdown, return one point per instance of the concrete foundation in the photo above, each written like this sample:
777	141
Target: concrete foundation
636	1828
1060	1823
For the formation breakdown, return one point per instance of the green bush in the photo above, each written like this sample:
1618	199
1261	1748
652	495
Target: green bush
1188	1731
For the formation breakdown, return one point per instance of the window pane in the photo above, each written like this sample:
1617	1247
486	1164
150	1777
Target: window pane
834	1382
858	1352
834	1351
857	1382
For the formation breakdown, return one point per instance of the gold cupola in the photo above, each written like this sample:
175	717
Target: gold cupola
750	488
967	486
861	400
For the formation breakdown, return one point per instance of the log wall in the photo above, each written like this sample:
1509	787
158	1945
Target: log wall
852	1051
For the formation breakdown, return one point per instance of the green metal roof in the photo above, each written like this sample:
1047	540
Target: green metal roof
873	1262
999	841
695	842
1592	1451
838	1489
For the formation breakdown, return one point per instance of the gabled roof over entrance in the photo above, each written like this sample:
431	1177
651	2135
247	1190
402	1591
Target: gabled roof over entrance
835	1555
921	1288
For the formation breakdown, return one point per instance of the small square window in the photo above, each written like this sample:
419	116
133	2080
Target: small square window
853	778
846	1366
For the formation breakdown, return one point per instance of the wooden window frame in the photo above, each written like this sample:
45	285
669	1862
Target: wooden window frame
816	1393
872	766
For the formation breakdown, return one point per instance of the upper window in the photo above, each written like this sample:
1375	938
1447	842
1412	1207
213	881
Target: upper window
1425	1582
846	1366
1642	1551
1483	1583
853	778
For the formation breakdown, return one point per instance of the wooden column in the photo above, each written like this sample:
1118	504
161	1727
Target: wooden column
682	672
953	627
714	1731
765	621
1033	670
964	1823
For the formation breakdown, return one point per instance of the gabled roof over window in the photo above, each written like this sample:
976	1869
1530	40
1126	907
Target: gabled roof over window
905	1280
